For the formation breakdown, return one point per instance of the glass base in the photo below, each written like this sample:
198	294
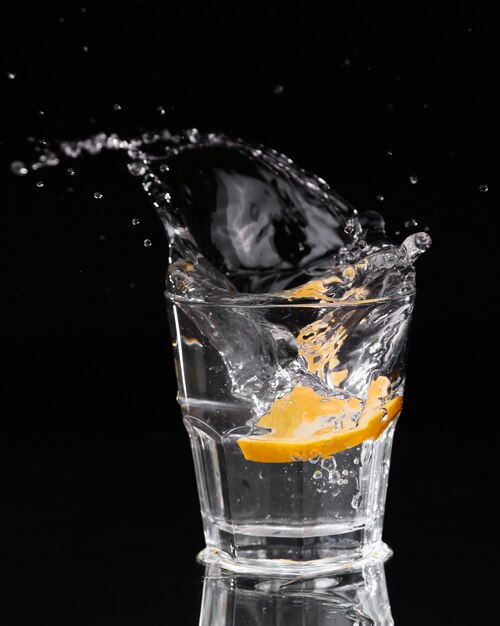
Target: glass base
368	555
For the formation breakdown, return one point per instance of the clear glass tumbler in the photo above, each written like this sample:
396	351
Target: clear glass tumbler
291	411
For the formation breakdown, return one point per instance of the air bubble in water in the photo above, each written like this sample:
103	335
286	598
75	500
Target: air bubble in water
413	179
318	474
483	188
97	195
411	223
18	168
345	472
380	198
315	459
11	75
39	184
355	461
147	243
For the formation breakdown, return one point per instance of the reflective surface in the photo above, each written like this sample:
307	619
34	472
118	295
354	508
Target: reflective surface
359	599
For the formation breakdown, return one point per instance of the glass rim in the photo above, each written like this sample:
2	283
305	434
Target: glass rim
240	301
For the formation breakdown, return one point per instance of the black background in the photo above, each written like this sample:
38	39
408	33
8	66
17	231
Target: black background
99	518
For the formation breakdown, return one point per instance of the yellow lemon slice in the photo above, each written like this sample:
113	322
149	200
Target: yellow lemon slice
304	424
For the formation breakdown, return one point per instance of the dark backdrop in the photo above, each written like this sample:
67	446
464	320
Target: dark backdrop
99	517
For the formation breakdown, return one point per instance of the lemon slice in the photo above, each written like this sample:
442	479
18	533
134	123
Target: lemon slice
304	424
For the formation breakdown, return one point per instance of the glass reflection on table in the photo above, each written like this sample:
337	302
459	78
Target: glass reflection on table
356	598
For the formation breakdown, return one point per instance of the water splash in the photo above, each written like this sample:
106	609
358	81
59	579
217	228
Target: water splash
248	229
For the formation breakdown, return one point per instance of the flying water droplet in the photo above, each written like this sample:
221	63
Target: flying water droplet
97	195
136	168
136	221
389	153
39	184
168	197
85	48
11	75
117	107
483	188
70	171
161	110
380	198
413	179
278	90
147	243
41	113
18	168
164	167
411	223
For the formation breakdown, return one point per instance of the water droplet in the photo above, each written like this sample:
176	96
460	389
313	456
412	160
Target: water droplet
483	188
164	167
161	110
397	232
11	75
39	184
136	221
389	153
97	195
147	243
411	223
168	197
356	500
102	237
425	105
117	107
278	90
40	112
18	168
380	198
85	48
70	171
136	168
345	63
413	179
318	474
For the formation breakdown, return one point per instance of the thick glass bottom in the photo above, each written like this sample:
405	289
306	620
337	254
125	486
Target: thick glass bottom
265	564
